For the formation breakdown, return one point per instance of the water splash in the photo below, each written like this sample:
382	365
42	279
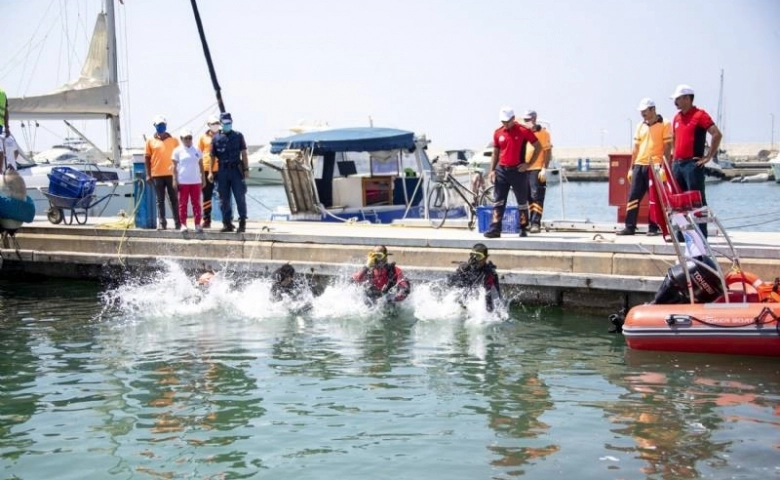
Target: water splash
172	292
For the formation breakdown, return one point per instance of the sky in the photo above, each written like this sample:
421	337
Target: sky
439	67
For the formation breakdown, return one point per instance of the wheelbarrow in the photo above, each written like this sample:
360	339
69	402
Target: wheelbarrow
78	207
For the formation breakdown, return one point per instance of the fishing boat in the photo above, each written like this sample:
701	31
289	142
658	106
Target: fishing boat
93	96
354	174
700	307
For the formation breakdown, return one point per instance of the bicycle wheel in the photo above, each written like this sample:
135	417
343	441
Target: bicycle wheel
488	196
438	205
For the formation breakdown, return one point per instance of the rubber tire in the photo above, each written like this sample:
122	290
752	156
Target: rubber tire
438	200
55	215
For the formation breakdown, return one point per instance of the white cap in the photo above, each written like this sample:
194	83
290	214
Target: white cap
159	119
681	90
212	119
645	103
185	132
505	114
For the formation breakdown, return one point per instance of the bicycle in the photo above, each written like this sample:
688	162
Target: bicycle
439	190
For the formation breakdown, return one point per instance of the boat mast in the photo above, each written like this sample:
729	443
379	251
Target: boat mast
207	54
720	104
113	79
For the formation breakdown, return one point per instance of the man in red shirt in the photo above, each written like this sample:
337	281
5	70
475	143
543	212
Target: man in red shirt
690	127
508	169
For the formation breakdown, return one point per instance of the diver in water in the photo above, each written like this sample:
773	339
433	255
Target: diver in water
206	276
382	279
289	284
478	272
705	285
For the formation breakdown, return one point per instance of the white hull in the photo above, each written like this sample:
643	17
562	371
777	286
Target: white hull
36	178
775	164
260	174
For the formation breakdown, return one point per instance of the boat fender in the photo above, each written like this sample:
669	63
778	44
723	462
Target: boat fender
741	276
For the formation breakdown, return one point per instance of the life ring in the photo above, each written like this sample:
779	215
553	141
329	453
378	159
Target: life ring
741	277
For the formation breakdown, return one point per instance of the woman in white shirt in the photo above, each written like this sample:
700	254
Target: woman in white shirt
188	178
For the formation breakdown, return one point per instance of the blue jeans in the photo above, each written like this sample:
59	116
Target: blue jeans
690	177
231	180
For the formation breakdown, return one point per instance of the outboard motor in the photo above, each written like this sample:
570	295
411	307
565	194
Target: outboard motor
706	284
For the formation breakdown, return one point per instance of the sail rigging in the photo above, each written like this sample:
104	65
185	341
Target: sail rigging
95	94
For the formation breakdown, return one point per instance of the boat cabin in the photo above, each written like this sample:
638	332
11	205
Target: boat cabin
372	174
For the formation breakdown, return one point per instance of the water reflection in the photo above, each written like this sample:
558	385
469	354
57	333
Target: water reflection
155	378
676	417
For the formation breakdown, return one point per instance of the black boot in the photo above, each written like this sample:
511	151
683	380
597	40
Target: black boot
227	227
241	226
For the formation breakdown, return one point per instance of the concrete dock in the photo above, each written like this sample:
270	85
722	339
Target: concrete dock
572	264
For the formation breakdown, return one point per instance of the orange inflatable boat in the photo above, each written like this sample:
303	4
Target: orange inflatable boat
700	308
729	328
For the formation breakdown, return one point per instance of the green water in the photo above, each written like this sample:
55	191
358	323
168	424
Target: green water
95	391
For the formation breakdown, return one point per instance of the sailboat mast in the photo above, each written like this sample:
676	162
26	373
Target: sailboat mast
207	54
719	121
113	79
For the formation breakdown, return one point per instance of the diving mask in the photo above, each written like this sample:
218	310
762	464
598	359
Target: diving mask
375	258
476	257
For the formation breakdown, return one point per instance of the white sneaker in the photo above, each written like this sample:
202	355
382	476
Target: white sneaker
183	228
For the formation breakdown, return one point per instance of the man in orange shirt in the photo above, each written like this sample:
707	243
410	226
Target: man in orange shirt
652	144
537	176
210	167
159	170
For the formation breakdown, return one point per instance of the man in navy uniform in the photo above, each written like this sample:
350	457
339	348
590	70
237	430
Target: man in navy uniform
229	148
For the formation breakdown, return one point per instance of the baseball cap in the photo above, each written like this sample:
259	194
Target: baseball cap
681	90
529	114
185	132
645	103
226	118
505	114
159	119
212	120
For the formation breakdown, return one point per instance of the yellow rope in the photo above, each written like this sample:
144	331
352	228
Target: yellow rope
125	223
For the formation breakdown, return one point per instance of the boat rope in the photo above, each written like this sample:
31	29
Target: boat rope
755	224
765	317
261	203
126	222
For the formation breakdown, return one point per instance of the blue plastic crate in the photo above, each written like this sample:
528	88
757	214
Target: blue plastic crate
69	182
509	224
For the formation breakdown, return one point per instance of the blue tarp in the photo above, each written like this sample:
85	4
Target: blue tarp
363	139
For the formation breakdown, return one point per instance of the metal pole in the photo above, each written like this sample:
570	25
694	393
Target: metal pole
207	54
113	79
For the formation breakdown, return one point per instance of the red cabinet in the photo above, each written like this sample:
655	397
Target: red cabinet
619	187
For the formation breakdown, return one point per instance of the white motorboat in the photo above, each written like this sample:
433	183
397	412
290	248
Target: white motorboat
94	95
265	168
775	164
483	157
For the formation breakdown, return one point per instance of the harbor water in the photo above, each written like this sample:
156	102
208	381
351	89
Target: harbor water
739	206
154	378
